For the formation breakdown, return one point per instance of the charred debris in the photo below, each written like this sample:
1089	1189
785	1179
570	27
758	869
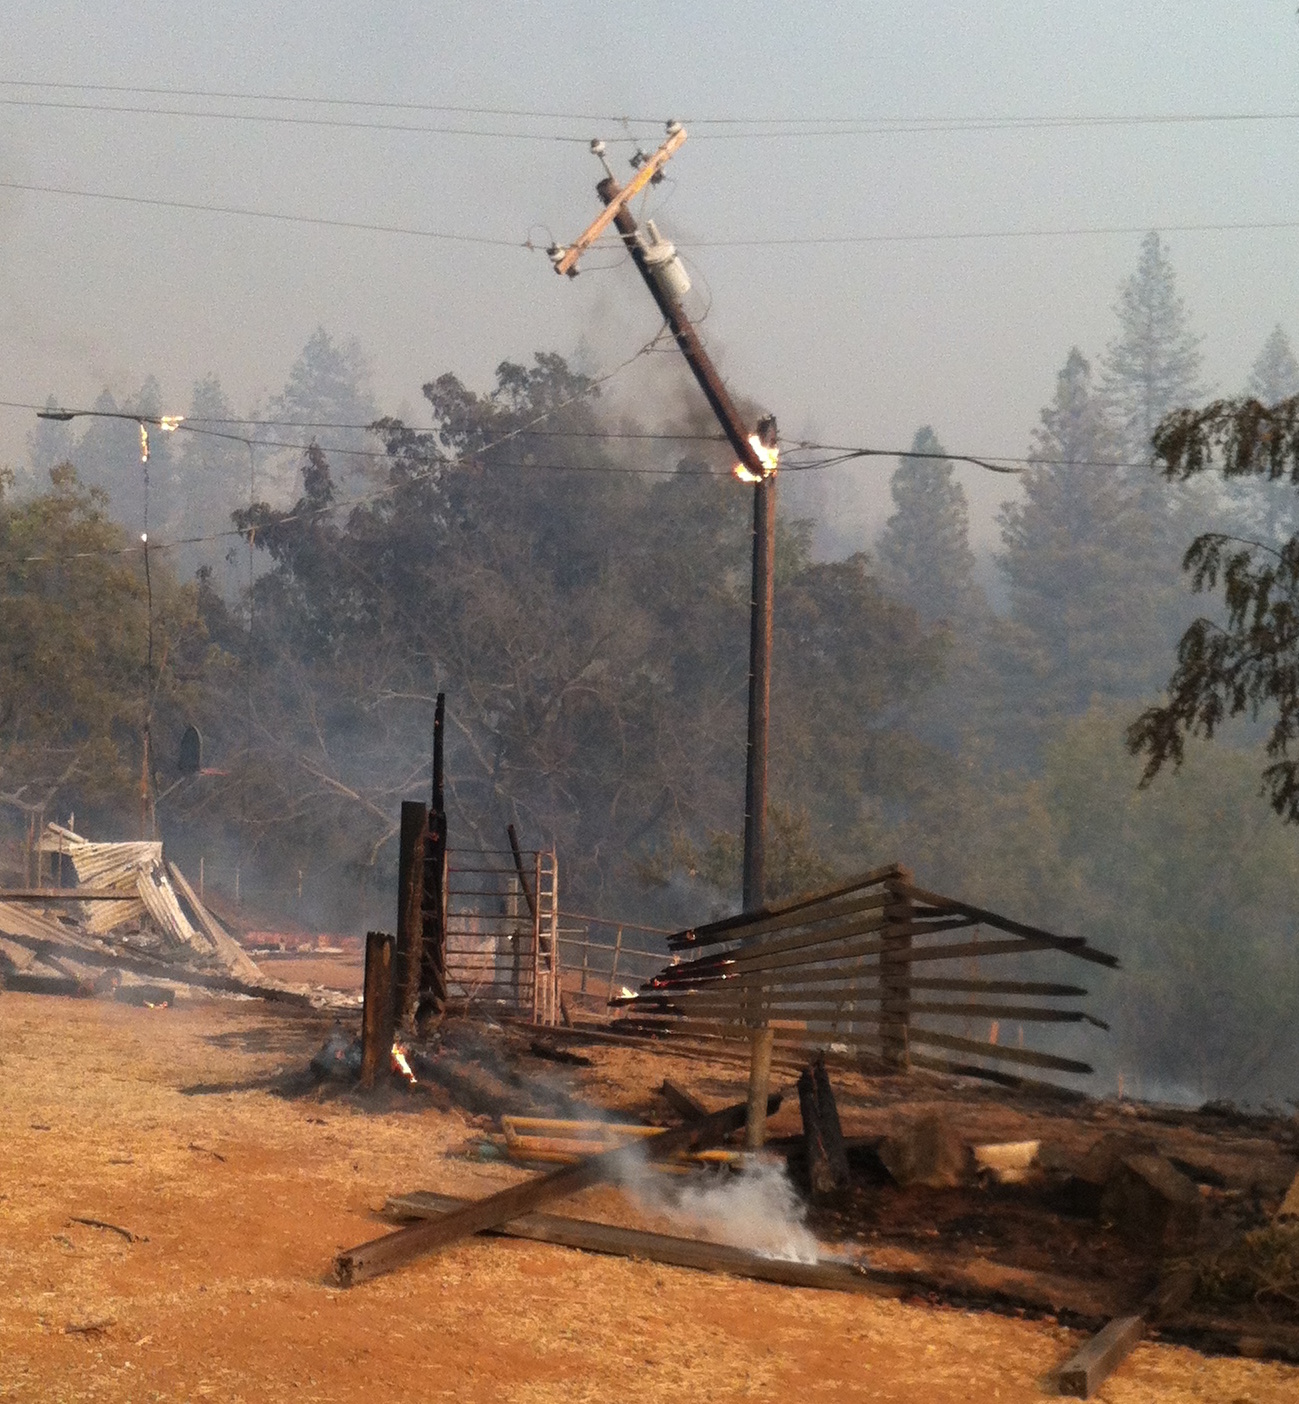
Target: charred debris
921	1143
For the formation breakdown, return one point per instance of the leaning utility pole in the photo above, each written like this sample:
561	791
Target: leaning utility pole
756	449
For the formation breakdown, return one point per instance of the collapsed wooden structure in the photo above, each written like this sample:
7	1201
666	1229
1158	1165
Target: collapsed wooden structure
846	969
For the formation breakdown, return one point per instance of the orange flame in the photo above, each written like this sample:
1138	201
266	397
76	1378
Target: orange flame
400	1065
768	456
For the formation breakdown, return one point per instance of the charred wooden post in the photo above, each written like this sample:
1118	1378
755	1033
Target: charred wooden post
433	964
827	1158
410	903
895	973
377	1012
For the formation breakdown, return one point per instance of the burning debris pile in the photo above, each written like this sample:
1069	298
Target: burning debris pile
132	917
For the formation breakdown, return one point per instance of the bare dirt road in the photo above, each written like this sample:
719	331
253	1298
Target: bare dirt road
168	1125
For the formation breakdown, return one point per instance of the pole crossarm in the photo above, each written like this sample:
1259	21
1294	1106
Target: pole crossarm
565	260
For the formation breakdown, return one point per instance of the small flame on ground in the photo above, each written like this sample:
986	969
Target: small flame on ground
400	1065
768	456
627	993
169	422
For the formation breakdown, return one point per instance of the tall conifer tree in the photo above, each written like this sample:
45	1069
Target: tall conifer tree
1153	365
1090	590
924	551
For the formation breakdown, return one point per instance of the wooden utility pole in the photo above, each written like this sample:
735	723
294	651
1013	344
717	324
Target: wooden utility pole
756	451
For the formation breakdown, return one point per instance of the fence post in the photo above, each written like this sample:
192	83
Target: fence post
377	1011
586	954
536	940
433	962
613	969
410	905
895	975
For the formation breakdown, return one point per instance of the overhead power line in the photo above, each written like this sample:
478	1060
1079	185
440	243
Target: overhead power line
270	214
772	241
282	120
785	125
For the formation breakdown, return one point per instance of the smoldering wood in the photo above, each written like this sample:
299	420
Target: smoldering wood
590	1237
405	1245
377	1012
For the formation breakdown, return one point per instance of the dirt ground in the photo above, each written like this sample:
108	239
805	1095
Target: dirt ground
171	1125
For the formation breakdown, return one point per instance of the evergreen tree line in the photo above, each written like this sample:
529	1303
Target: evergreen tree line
583	602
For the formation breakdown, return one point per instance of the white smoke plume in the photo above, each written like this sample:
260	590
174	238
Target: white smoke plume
756	1208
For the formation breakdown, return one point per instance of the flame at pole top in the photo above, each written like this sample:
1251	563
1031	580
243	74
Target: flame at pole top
768	455
168	423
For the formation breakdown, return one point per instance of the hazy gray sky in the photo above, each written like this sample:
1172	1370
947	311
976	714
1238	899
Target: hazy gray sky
854	343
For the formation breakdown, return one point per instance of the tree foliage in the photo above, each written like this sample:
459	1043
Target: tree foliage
1247	662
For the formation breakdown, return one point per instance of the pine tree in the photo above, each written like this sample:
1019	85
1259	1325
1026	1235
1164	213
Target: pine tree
1275	374
924	551
1092	593
1153	366
328	385
211	481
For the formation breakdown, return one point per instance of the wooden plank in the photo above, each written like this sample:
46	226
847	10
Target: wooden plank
1081	1376
378	1011
847	947
715	931
687	1107
1010	987
393	1250
779	1003
1072	945
819	1033
852	966
65	894
705	965
980	1282
693	1253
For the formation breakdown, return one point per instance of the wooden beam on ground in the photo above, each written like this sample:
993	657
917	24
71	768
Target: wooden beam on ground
1084	1372
662	1248
1082	1375
687	1107
394	1250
